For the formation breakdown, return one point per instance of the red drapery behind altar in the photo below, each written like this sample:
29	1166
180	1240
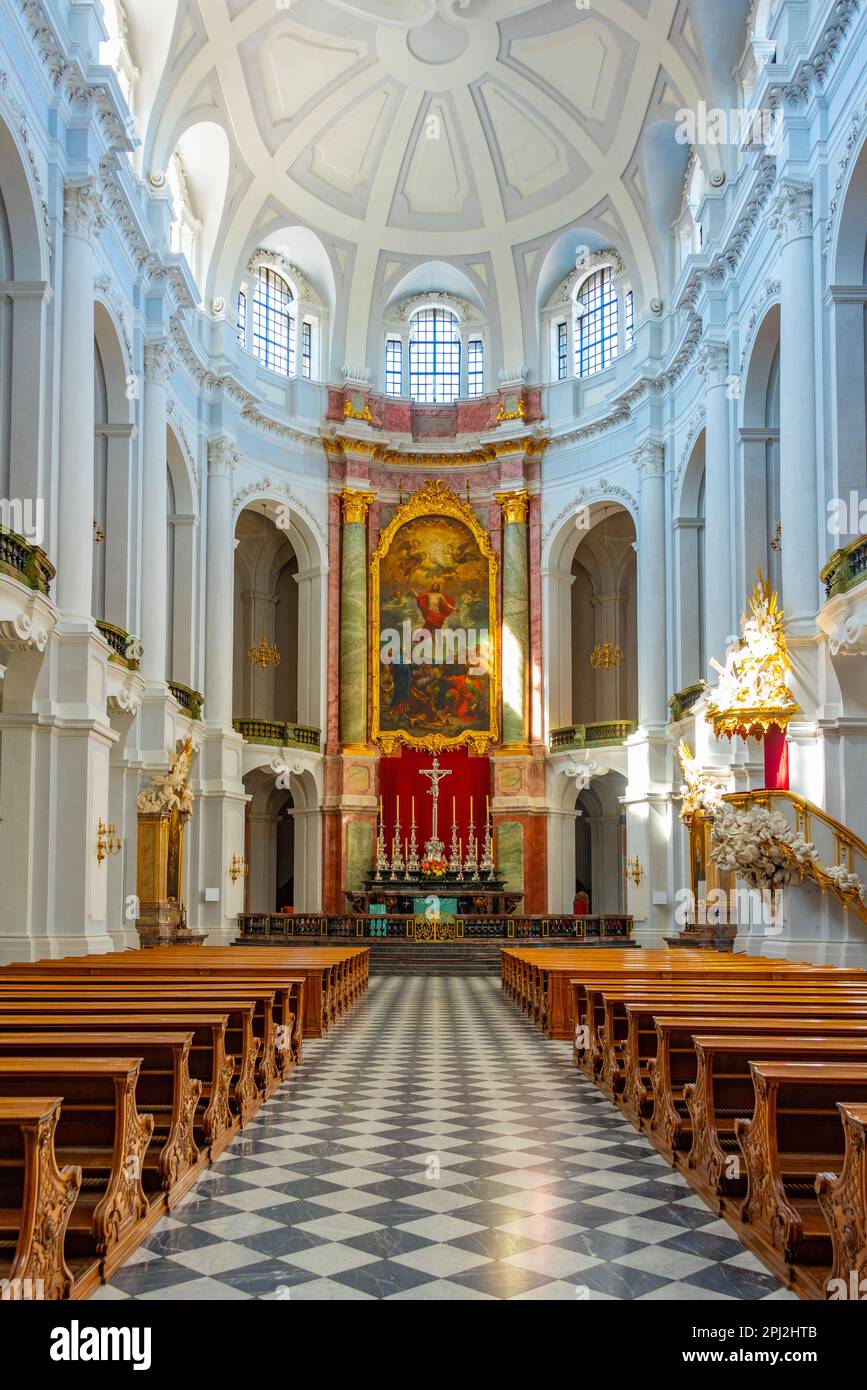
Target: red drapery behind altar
400	777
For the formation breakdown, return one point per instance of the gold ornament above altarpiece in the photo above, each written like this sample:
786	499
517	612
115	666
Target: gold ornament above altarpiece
456	555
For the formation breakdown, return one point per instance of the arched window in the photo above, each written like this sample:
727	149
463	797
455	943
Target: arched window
273	322
596	330
434	356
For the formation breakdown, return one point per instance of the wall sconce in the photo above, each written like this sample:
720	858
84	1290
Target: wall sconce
237	869
107	841
634	871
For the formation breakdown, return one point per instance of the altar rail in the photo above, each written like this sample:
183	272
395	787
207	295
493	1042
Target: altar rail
612	927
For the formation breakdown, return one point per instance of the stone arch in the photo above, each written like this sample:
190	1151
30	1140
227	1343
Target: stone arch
760	444
689	587
277	792
182	599
115	506
304	540
25	274
847	262
558	554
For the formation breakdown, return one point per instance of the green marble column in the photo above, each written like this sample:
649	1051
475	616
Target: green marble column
353	620
516	619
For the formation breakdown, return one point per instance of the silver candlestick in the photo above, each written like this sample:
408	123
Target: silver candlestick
382	865
413	864
471	862
397	864
455	852
487	860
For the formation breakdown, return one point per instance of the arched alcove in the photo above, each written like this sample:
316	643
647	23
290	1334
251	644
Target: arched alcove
599	838
690	578
182	587
847	273
760	439
114	500
604	609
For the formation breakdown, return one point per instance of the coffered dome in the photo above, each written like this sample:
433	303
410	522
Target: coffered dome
482	133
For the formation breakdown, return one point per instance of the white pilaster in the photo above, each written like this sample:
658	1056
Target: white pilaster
157	365
793	218
714	367
649	461
82	221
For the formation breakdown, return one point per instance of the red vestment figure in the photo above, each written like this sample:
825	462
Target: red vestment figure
435	607
581	905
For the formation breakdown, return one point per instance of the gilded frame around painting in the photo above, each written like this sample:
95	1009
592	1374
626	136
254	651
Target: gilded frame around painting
432	500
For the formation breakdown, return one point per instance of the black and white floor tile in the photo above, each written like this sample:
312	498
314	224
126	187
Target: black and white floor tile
436	1146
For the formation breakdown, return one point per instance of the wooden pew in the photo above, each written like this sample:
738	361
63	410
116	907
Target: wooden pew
795	1134
723	1091
334	977
36	1199
607	1021
842	1198
165	1088
286	999
245	1092
100	1131
272	1063
547	979
216	1121
643	1082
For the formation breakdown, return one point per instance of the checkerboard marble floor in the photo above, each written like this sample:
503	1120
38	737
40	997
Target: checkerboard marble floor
436	1146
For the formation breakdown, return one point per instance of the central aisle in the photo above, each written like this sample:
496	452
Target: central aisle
436	1146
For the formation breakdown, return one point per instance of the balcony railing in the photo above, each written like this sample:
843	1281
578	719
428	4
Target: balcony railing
191	701
285	925
25	562
592	735
846	568
684	701
277	733
125	649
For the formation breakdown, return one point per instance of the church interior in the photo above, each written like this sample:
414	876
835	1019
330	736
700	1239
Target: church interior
433	616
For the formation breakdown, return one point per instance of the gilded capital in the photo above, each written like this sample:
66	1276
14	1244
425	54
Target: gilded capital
355	504
514	506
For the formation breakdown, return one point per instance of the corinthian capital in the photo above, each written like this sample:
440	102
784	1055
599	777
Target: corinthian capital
355	504
157	361
222	457
514	506
649	459
792	210
713	363
82	209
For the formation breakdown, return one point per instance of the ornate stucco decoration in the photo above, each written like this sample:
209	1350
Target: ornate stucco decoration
752	694
700	790
404	309
583	773
531	445
19	120
851	142
273	259
770	290
600	491
265	487
170	791
594	261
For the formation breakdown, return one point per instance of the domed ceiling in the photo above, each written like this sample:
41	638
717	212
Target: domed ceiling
492	135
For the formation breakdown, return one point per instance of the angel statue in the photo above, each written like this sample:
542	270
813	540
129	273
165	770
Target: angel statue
170	791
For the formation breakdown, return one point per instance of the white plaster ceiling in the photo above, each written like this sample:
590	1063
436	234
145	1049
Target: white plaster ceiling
479	133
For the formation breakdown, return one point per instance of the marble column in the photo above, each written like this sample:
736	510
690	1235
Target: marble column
714	367
353	620
792	216
649	461
82	221
154	621
515	646
219	629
